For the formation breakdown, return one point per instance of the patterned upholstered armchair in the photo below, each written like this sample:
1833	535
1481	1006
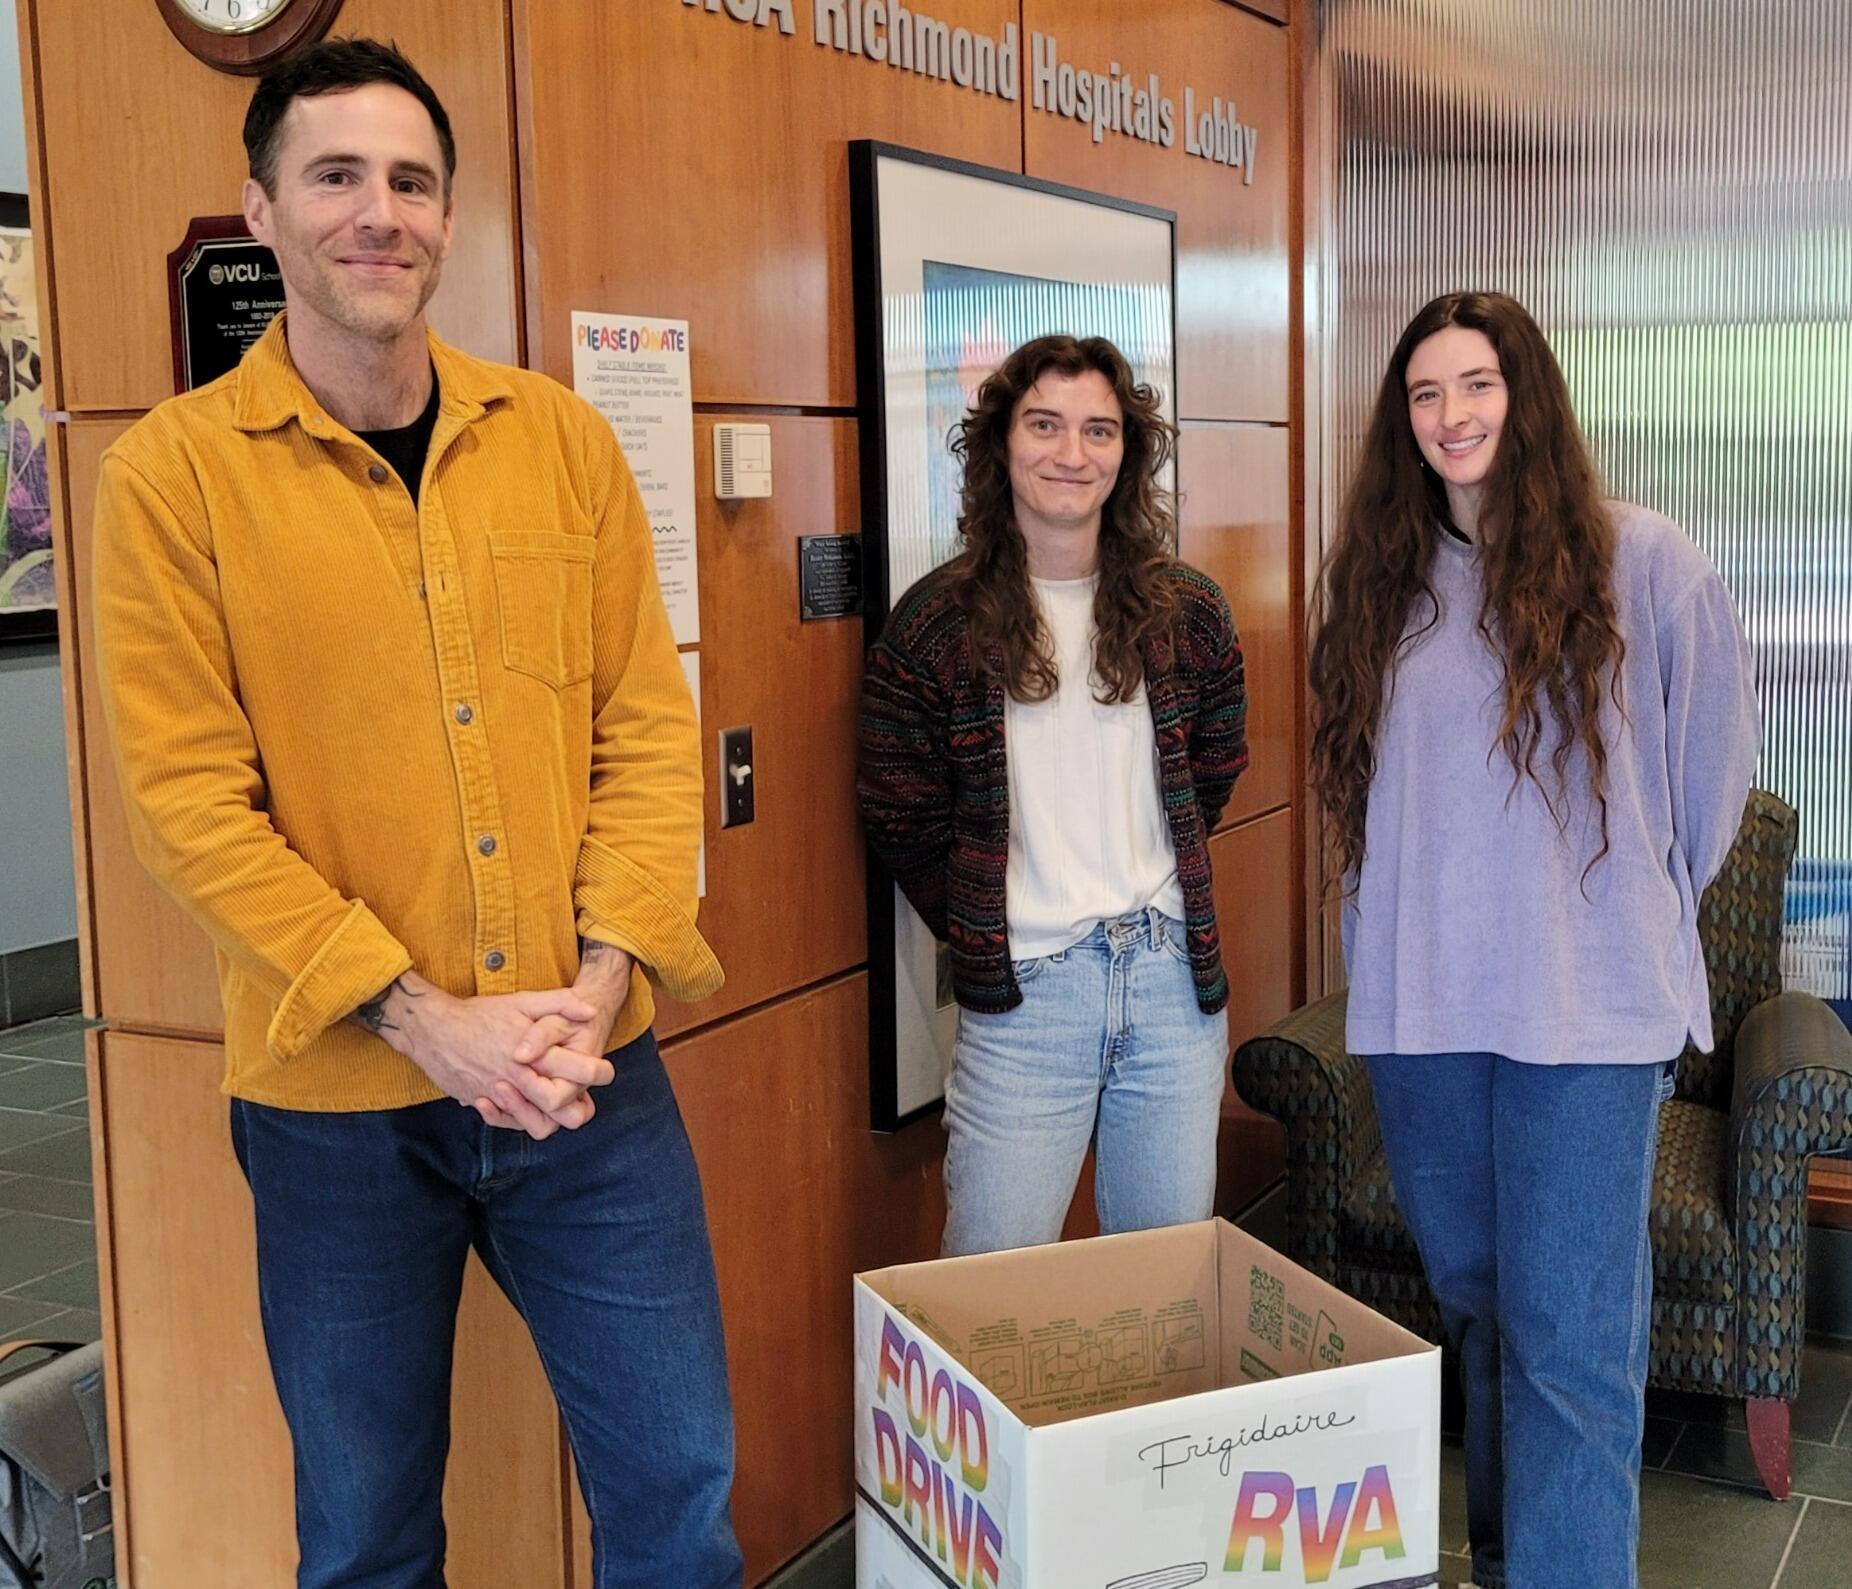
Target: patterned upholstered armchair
1730	1194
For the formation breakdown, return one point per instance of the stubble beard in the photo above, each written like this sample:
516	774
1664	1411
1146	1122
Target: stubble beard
347	306
382	319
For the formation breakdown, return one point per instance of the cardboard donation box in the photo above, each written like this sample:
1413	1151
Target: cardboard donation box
1148	1411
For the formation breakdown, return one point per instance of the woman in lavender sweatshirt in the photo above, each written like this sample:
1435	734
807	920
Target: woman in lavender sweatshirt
1534	737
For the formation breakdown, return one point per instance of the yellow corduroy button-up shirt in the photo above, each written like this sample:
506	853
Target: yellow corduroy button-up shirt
358	737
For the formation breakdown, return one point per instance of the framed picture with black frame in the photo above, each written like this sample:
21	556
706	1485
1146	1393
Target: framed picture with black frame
955	266
28	595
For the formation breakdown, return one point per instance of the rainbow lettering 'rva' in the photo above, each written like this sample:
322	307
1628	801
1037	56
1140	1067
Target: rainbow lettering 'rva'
932	1474
1361	1518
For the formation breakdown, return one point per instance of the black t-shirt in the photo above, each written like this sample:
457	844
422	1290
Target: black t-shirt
405	447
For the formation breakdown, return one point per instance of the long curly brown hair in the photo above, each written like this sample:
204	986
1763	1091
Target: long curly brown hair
1546	547
1134	602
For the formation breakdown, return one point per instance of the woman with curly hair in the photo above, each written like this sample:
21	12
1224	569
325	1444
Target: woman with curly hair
1051	724
1534	734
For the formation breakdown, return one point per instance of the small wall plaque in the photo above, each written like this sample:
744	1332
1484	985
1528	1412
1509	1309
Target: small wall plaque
829	576
223	289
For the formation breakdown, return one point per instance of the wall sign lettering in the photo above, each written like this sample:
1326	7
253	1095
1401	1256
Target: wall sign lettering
1118	102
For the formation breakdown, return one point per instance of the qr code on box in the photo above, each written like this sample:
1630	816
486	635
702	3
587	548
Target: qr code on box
1266	1307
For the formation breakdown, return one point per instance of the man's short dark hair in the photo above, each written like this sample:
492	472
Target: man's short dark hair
333	67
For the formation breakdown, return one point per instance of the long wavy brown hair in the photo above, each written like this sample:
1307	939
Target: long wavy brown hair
1134	602
1547	556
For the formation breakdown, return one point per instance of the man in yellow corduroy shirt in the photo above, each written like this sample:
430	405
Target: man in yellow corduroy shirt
400	722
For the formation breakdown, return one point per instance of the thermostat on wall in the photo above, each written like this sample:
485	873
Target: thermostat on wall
742	461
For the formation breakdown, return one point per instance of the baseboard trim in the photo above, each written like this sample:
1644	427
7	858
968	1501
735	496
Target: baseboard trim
39	982
828	1564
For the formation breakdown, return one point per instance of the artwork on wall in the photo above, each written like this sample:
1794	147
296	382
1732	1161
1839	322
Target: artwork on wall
956	265
28	598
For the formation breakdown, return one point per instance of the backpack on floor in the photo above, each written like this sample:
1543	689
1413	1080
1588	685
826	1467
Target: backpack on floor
55	1530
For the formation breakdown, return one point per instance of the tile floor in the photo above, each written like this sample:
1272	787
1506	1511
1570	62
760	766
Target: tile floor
1705	1522
47	1239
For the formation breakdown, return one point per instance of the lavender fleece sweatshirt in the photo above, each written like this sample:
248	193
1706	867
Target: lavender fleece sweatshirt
1469	930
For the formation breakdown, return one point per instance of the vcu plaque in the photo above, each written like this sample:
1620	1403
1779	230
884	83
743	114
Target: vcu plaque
223	289
829	576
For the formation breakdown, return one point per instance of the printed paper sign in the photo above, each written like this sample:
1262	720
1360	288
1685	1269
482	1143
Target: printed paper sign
635	372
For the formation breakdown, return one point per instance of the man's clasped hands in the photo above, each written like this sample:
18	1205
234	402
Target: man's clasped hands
523	1061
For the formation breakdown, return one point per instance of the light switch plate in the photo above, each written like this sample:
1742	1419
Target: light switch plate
736	802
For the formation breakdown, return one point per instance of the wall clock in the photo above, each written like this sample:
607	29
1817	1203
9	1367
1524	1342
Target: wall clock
246	36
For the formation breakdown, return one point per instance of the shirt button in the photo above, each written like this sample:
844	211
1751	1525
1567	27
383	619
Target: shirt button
486	844
464	714
494	960
377	474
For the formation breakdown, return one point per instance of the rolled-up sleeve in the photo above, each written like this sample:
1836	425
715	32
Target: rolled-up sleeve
191	776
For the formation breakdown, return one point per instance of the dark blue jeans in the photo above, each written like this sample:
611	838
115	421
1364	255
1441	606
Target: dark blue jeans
598	1237
1527	1189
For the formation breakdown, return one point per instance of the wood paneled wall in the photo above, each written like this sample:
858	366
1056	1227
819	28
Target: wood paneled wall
708	181
1236	527
785	892
1234	338
655	158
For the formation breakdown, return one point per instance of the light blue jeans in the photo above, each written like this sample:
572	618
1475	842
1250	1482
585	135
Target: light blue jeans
1108	1046
1527	1190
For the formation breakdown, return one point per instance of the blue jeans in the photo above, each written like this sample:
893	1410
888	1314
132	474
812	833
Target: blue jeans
1527	1189
597	1236
1108	1040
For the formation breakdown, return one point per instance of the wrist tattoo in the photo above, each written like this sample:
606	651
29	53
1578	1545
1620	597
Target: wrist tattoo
591	951
372	1014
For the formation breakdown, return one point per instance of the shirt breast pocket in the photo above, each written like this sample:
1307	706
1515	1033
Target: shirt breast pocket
543	584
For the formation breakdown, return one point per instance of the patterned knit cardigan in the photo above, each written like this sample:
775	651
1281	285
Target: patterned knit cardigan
935	793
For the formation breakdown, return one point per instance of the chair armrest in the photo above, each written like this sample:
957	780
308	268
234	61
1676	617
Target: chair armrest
1794	1076
1300	1072
1792	1100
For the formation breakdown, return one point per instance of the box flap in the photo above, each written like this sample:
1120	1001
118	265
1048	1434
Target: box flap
1279	1319
1076	1328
